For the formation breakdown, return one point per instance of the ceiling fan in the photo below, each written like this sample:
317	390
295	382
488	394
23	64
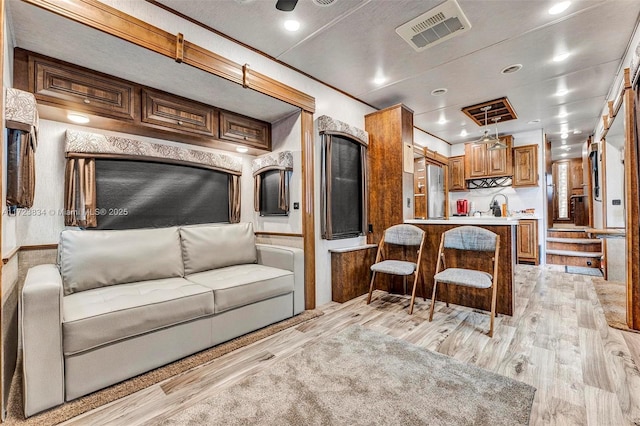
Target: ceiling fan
286	5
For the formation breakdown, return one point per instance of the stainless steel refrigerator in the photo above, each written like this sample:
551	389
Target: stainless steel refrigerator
435	192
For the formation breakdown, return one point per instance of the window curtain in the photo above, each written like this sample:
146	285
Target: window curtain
283	194
234	198
257	179
80	193
21	118
21	168
283	190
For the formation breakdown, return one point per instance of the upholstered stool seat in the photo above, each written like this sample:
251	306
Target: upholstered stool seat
465	277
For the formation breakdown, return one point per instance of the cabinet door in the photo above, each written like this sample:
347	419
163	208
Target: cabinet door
173	112
475	160
525	160
80	89
527	240
457	181
245	130
499	161
419	189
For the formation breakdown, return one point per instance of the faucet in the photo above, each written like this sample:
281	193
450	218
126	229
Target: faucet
494	203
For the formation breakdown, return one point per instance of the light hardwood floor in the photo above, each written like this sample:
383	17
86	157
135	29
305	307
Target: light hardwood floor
585	372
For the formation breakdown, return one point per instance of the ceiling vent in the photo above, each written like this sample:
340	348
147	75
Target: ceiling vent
435	26
499	108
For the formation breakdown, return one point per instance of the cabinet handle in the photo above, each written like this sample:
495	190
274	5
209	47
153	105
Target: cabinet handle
180	123
86	101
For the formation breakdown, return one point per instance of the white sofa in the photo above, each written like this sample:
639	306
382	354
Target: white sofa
120	303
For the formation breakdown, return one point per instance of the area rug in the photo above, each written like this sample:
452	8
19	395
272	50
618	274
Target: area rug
583	270
362	377
78	406
613	299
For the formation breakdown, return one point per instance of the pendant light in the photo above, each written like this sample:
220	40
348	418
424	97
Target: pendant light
487	138
498	144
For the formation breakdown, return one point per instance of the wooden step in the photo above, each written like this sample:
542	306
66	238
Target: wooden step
574	258
567	233
574	244
574	240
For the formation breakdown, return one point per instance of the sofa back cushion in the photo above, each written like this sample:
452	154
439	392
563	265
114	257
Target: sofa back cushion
93	259
207	247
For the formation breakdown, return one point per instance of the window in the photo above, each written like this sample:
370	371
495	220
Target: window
344	181
140	194
274	193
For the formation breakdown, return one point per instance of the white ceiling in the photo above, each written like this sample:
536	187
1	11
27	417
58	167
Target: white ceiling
351	42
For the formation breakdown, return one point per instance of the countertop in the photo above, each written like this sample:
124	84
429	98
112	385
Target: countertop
468	220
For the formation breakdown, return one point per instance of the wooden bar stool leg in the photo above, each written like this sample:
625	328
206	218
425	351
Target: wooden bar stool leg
413	294
493	310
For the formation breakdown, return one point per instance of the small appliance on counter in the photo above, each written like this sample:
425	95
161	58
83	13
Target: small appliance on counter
462	208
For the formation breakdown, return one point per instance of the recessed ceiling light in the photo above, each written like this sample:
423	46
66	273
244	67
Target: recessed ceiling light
564	135
442	121
511	69
561	57
559	7
562	92
242	149
564	154
563	114
577	132
536	121
291	25
379	80
463	133
439	92
78	118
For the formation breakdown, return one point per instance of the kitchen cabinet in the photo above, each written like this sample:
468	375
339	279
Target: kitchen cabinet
481	162
246	130
457	180
390	197
527	241
525	166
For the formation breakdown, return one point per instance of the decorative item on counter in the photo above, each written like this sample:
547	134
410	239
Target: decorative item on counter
495	208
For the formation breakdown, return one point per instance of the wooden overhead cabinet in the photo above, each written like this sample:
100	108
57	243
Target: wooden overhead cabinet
457	180
481	162
525	164
169	111
239	128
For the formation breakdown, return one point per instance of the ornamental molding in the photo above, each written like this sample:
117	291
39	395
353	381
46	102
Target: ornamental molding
95	143
282	160
328	124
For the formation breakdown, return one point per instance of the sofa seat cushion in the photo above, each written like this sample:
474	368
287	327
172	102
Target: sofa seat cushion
101	316
240	285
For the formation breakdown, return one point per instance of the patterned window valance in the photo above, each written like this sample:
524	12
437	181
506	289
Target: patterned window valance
21	118
94	143
326	123
21	107
278	160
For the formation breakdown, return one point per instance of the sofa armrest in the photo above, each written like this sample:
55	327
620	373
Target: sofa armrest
41	329
291	259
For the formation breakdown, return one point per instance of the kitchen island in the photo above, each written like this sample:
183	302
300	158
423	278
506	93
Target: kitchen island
467	296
